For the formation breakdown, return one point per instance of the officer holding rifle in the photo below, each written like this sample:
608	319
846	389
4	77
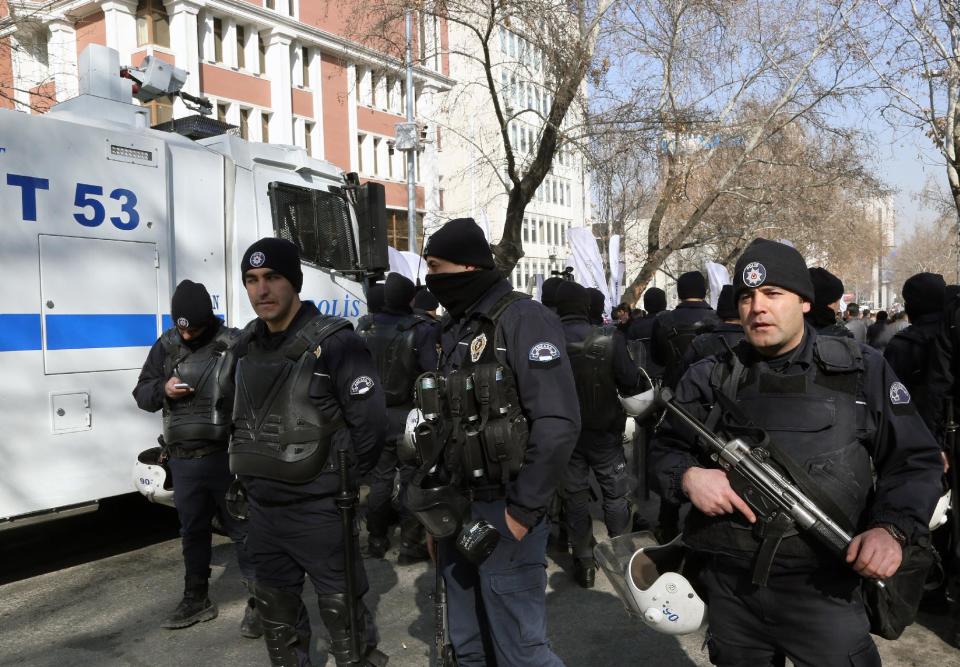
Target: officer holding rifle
831	408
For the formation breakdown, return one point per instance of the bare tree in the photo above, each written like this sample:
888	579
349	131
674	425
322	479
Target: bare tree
713	83
23	37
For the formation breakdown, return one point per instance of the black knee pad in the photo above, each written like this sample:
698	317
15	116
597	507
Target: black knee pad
286	628
336	617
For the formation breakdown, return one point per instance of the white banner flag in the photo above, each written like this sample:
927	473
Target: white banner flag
408	264
717	277
587	263
616	274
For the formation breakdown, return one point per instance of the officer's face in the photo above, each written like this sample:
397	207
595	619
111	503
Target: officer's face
772	318
189	333
437	265
271	295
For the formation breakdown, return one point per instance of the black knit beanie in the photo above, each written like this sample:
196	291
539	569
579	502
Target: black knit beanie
461	241
375	298
597	302
770	263
278	254
654	300
924	293
691	285
572	299
548	292
827	288
726	306
191	306
398	292
425	300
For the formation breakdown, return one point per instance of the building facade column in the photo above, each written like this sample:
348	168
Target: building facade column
316	76
120	22
185	44
352	117
279	72
429	176
62	56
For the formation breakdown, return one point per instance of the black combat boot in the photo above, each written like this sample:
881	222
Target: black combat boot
413	542
251	626
195	606
585	572
377	543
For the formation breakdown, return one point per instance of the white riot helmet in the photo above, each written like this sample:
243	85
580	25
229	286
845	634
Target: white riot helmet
941	511
642	404
152	478
665	599
407	451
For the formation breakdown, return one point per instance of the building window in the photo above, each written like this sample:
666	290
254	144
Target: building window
217	41
569	200
562	201
221	112
376	156
262	49
360	142
244	123
526	230
308	137
265	128
305	65
271	4
374	82
241	42
153	24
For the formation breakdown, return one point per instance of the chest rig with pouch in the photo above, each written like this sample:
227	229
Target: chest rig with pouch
205	413
474	426
279	433
813	423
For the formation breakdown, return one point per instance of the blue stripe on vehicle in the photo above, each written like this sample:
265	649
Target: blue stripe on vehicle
19	332
80	332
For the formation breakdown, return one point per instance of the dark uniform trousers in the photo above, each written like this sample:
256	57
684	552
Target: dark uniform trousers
200	486
602	452
287	542
816	621
495	610
383	476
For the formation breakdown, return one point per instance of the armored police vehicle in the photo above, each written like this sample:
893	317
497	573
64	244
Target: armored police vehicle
103	216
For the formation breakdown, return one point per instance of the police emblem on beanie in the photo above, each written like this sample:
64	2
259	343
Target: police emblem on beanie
278	254
183	322
190	305
257	259
754	274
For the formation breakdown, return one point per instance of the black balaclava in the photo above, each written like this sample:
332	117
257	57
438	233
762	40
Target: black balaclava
398	292
548	292
461	241
573	300
597	302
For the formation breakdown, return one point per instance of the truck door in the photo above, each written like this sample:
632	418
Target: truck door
100	303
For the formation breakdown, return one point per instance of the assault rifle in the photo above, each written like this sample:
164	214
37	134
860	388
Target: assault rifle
771	494
950	442
441	654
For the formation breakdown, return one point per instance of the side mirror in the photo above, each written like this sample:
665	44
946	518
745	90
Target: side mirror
371	209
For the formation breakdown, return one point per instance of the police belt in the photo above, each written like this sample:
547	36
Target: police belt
184	452
287	503
485	494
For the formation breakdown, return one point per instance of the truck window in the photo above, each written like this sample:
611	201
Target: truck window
318	222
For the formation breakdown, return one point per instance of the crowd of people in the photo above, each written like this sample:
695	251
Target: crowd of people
479	432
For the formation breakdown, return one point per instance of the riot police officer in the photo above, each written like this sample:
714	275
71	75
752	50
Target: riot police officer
597	302
375	296
674	330
306	388
189	374
424	303
510	423
724	336
834	408
827	292
403	346
603	371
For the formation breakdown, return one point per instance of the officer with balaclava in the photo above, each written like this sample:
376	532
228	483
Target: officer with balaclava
189	375
823	315
375	297
597	302
307	388
403	346
833	410
603	372
510	419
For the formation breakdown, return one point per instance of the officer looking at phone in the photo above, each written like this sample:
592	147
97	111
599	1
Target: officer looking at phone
189	375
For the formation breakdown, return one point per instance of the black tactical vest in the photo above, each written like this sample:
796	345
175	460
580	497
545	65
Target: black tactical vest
278	432
836	329
592	361
486	432
814	418
393	347
679	336
205	414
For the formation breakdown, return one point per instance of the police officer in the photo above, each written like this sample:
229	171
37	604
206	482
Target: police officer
597	302
654	302
838	411
725	335
602	369
425	303
824	311
306	387
403	346
512	350
375	296
189	374
909	351
674	330
548	292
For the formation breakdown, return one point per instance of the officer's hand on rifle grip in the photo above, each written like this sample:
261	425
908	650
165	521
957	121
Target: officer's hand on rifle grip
875	554
710	492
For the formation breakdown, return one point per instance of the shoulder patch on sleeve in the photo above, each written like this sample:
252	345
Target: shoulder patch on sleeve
362	387
544	355
899	394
